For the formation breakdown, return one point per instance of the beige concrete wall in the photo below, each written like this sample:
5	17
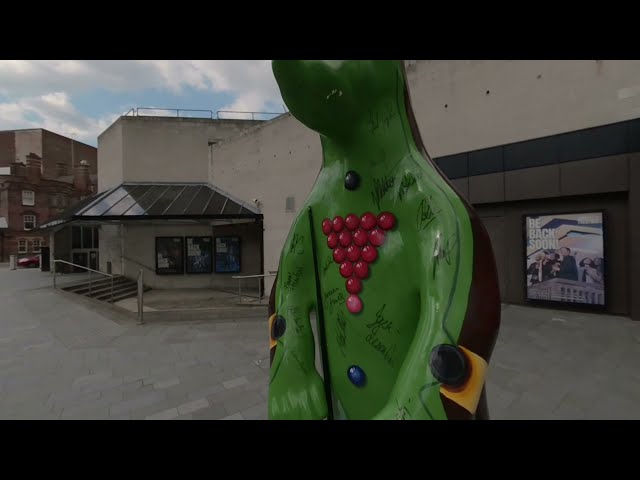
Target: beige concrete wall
110	248
272	162
165	149
527	99
139	253
110	167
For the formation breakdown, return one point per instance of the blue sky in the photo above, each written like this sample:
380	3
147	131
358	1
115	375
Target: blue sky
81	98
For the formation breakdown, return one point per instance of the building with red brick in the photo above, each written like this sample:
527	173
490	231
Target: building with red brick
29	197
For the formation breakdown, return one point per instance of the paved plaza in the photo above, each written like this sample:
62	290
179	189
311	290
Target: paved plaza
66	357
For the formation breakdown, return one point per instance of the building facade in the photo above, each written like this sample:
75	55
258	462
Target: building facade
156	210
29	199
520	139
59	154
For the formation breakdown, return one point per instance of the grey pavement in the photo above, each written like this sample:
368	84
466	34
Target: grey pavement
66	357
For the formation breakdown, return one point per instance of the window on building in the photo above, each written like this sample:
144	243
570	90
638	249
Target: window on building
36	245
28	197
84	237
22	246
76	237
29	222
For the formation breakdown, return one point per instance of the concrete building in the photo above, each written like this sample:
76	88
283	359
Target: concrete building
59	154
157	210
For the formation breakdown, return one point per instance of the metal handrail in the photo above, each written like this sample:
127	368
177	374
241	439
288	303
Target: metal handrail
140	281
135	112
90	270
259	277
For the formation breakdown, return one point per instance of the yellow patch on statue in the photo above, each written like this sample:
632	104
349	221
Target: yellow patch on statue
272	341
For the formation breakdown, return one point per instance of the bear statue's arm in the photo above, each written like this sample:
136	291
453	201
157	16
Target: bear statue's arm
296	390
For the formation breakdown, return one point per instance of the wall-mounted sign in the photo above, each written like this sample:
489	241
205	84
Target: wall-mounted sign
169	256
227	254
199	254
565	260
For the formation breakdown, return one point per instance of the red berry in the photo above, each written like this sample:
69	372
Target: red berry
354	304
326	226
386	220
376	237
362	269
332	240
360	237
353	253
339	254
369	254
354	285
368	221
352	221
338	224
345	238
346	269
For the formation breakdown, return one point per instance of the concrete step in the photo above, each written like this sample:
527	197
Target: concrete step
100	289
82	288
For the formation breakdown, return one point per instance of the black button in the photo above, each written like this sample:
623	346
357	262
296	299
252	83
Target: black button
351	180
449	365
278	327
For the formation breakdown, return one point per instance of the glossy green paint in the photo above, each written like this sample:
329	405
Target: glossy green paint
416	295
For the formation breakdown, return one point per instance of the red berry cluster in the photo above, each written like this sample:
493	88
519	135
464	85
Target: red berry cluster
355	241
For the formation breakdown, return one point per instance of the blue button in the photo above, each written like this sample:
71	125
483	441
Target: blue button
357	376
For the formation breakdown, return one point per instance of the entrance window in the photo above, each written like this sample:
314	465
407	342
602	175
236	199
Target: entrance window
36	245
84	237
22	246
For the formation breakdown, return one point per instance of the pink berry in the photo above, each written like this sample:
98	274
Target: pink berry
332	240
354	304
353	253
376	237
360	237
369	254
362	269
339	254
368	221
346	269
326	226
338	224
354	285
345	238
352	221
386	220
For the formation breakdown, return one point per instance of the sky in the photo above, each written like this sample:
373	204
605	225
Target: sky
81	98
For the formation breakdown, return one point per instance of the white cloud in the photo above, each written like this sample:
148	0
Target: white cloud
40	92
55	112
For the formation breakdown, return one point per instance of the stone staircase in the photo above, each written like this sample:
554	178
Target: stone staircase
100	289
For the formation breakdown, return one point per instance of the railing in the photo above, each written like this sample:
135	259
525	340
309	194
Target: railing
259	277
135	112
140	297
90	270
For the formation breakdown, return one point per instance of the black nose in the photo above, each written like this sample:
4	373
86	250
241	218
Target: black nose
351	180
449	365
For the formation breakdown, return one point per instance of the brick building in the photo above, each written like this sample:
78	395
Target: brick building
29	197
56	151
